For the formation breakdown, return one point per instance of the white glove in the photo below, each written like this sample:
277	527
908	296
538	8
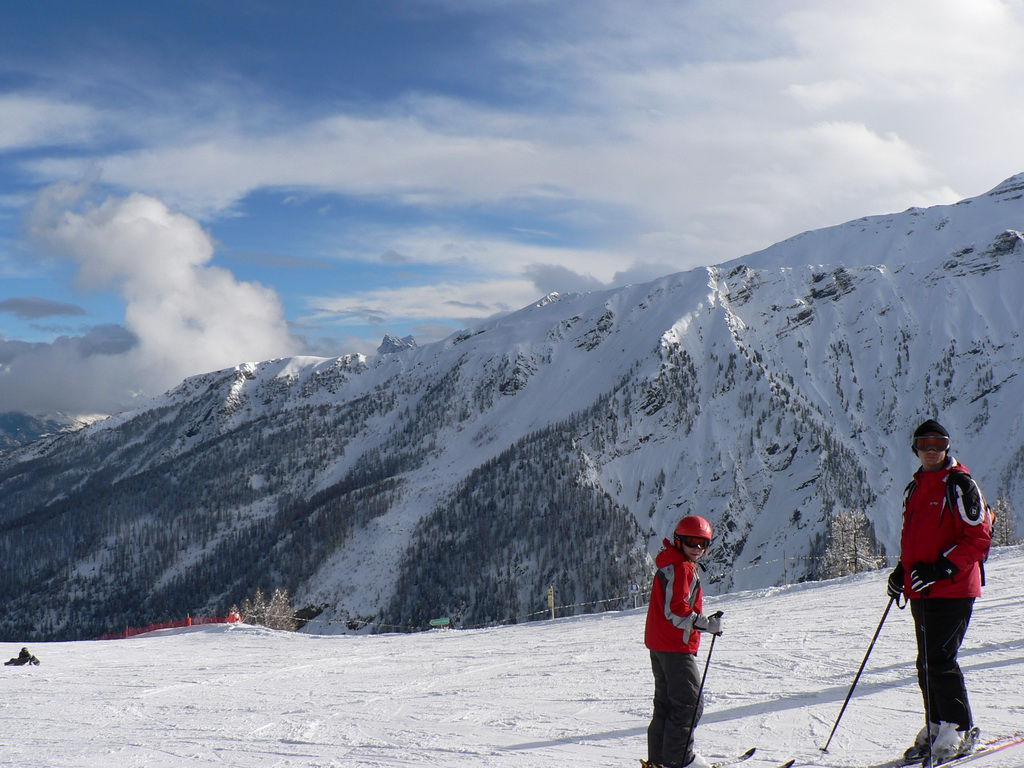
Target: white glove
711	624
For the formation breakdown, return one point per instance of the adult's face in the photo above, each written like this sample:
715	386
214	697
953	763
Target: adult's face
931	450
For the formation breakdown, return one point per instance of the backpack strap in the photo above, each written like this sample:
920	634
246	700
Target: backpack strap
907	492
964	497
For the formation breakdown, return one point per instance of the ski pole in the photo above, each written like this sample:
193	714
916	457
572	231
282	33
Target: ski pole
700	692
927	684
855	679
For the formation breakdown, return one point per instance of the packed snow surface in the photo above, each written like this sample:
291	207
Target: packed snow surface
566	692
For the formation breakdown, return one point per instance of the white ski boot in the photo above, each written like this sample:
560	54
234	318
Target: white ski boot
919	749
950	743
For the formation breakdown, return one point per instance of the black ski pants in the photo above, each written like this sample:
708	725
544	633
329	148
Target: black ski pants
941	624
676	688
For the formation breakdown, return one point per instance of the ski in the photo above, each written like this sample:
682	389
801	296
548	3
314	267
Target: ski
720	764
738	759
987	748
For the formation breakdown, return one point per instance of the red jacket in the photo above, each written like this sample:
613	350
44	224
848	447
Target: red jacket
676	599
931	528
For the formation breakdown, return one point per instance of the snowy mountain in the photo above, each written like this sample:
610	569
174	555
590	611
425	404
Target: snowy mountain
547	694
18	429
552	447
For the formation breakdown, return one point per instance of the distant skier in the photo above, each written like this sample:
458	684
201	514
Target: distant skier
946	535
674	623
21	659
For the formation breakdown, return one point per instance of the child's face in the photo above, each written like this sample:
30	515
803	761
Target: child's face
694	547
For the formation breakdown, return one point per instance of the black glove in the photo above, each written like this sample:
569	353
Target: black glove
895	586
923	575
712	623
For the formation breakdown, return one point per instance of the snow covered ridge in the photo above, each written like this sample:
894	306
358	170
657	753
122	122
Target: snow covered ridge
554	446
547	694
18	429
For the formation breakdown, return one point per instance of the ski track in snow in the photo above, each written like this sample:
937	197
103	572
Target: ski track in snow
573	691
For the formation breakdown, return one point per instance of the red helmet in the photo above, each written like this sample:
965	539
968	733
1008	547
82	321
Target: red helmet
695	526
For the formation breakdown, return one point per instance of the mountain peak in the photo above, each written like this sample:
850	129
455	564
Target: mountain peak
1013	186
392	344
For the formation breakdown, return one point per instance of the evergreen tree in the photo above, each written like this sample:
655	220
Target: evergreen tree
1004	528
850	546
254	609
280	613
275	613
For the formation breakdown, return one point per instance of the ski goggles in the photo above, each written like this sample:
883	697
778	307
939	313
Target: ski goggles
931	443
694	542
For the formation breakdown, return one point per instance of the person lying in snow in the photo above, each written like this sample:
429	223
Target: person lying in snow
21	659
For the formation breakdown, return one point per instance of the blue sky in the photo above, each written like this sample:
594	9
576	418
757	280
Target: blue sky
185	186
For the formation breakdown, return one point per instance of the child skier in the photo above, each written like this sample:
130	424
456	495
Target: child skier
674	623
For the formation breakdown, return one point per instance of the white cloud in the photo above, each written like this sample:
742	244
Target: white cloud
797	116
474	278
467	300
34	121
182	316
474	296
457	255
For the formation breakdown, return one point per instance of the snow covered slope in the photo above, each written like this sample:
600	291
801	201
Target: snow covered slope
553	447
17	429
568	692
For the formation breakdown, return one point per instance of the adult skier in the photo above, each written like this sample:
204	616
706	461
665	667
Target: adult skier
672	633
946	535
